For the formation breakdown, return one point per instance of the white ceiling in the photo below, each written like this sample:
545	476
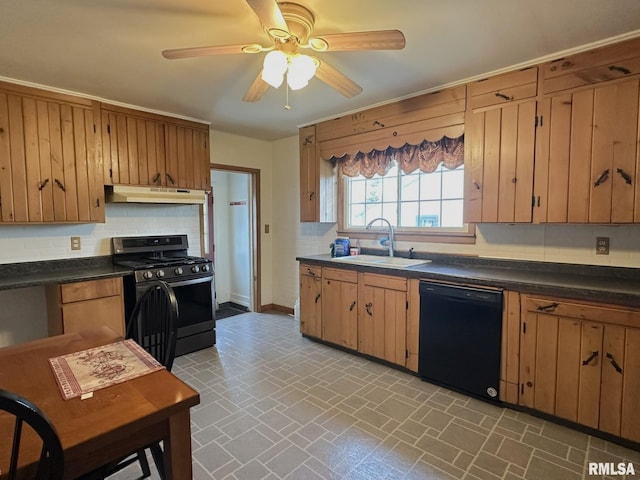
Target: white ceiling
111	49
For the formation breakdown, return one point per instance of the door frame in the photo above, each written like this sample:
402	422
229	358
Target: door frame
256	258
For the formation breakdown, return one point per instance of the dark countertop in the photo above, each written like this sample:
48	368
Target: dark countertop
49	272
617	285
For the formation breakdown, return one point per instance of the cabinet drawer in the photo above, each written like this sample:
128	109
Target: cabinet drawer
509	87
595	66
310	270
339	274
384	281
611	314
78	291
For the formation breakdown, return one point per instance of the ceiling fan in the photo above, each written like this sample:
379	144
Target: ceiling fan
290	28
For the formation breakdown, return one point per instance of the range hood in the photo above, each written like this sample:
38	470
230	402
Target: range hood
128	194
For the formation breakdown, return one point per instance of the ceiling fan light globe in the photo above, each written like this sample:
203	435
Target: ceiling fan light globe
302	67
274	68
296	83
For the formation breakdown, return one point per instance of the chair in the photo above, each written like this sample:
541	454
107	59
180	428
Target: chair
153	325
51	463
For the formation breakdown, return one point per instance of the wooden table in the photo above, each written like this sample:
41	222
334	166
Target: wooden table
116	421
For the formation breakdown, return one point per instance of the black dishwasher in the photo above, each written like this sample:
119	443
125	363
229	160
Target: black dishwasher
460	338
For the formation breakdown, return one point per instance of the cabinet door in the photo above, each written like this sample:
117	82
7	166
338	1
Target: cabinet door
499	145
187	158
586	156
309	182
339	313
382	321
48	152
630	421
311	305
106	311
133	149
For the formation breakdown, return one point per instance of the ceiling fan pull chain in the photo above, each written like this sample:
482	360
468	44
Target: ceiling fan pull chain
287	106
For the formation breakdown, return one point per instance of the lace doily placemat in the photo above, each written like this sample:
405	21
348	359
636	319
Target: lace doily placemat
89	370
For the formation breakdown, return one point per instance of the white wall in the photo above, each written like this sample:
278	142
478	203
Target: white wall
221	237
23	312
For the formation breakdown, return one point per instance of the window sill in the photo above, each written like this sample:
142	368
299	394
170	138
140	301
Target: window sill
404	236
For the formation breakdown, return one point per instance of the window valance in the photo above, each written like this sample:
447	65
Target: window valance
425	156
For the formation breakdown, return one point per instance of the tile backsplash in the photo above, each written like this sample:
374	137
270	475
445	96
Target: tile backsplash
25	243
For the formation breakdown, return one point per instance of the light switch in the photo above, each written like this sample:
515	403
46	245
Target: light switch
266	228
75	243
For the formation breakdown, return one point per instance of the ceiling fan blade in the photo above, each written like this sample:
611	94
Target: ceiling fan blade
270	16
376	40
215	50
337	80
256	90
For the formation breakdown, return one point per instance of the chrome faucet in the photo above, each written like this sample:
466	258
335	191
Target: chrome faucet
368	227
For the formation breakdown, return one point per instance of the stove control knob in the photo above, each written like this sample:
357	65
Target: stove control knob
178	271
148	274
160	273
195	269
205	268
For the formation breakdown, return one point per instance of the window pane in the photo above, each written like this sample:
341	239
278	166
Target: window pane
453	183
357	190
390	189
430	186
452	213
374	190
430	214
373	211
410	187
390	212
409	215
356	216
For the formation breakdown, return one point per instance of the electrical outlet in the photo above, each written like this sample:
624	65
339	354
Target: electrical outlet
602	245
75	243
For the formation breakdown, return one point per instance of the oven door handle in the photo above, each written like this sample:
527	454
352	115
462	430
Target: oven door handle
192	281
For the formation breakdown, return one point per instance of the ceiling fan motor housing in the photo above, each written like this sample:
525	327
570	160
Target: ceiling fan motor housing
299	20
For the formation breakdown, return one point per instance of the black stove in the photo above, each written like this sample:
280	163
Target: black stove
165	258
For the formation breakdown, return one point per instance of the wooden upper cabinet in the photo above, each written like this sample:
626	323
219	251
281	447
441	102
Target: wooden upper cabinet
595	66
499	148
587	155
318	181
49	157
147	149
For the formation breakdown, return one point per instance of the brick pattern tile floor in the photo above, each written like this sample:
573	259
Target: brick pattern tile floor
275	405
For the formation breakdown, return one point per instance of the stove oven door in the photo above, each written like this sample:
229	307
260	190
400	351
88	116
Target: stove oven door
196	323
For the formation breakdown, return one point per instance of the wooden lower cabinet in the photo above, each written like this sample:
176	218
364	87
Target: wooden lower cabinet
75	306
581	362
339	307
382	326
311	300
377	315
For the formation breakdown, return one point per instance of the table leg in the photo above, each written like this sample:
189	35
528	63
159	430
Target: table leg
177	448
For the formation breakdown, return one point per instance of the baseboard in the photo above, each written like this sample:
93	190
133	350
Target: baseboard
232	305
272	307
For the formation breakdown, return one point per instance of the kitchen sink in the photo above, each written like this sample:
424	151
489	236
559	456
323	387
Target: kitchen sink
379	261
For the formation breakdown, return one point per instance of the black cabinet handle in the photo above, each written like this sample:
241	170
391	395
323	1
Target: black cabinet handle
352	306
615	68
475	184
43	184
379	124
311	272
97	204
547	308
317	298
502	95
311	195
367	307
602	178
156	178
60	185
614	363
171	179
625	175
590	358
